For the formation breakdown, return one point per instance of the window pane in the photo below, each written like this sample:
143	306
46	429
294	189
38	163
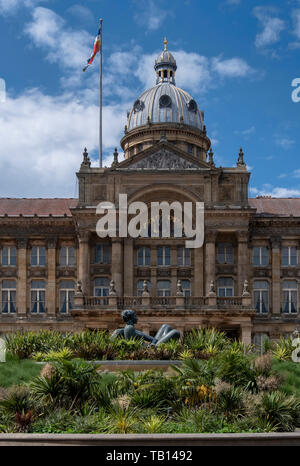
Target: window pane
67	284
42	254
180	256
167	256
5	256
106	258
264	256
63	256
293	256
37	284
140	256
71	256
63	301
33	256
256	256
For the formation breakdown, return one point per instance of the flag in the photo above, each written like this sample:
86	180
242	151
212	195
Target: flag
97	47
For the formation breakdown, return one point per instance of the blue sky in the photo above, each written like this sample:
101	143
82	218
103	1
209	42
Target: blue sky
237	58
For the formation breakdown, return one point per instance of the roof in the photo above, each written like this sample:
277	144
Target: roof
165	103
276	206
37	206
61	206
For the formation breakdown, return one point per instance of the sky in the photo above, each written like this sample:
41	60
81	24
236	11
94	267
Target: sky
237	58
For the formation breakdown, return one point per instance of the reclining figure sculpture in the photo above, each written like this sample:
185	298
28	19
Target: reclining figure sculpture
164	334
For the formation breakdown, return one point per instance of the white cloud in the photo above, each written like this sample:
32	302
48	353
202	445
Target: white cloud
296	21
67	47
272	26
195	72
150	15
268	190
231	68
43	137
284	142
11	6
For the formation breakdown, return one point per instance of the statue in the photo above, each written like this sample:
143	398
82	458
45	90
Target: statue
164	334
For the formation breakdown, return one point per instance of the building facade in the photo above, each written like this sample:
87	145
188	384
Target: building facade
57	273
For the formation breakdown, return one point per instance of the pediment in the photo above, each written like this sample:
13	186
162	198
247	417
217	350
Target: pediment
164	157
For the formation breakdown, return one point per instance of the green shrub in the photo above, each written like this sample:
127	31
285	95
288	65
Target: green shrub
279	410
235	368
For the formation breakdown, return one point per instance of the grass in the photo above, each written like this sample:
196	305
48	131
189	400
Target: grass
17	372
291	373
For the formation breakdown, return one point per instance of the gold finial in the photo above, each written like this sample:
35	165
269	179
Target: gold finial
165	44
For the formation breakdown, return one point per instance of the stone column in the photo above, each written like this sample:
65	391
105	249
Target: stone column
197	286
22	277
51	282
153	262
243	260
173	270
128	267
84	262
210	258
246	331
276	261
117	265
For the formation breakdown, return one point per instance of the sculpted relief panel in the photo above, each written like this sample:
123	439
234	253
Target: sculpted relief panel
163	160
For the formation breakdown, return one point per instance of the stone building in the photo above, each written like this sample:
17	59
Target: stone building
57	273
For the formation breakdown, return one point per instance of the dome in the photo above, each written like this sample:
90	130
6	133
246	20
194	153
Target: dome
165	103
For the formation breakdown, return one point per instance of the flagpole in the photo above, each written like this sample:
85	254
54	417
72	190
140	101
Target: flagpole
100	97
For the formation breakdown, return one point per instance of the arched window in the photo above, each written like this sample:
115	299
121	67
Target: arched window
38	296
66	295
261	296
101	286
225	287
8	295
290	297
140	287
163	288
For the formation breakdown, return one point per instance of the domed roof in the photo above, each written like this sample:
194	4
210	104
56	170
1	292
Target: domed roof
165	103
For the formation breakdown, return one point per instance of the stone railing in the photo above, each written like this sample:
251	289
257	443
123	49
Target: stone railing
231	301
159	302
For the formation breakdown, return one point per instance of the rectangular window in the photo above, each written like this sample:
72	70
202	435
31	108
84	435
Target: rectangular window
9	256
38	256
66	295
183	256
261	296
164	288
260	256
8	295
290	297
163	256
289	256
186	287
67	256
225	287
38	297
102	254
143	257
225	253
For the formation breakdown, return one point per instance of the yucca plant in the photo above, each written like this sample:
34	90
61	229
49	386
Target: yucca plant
122	420
154	424
63	354
282	350
279	410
